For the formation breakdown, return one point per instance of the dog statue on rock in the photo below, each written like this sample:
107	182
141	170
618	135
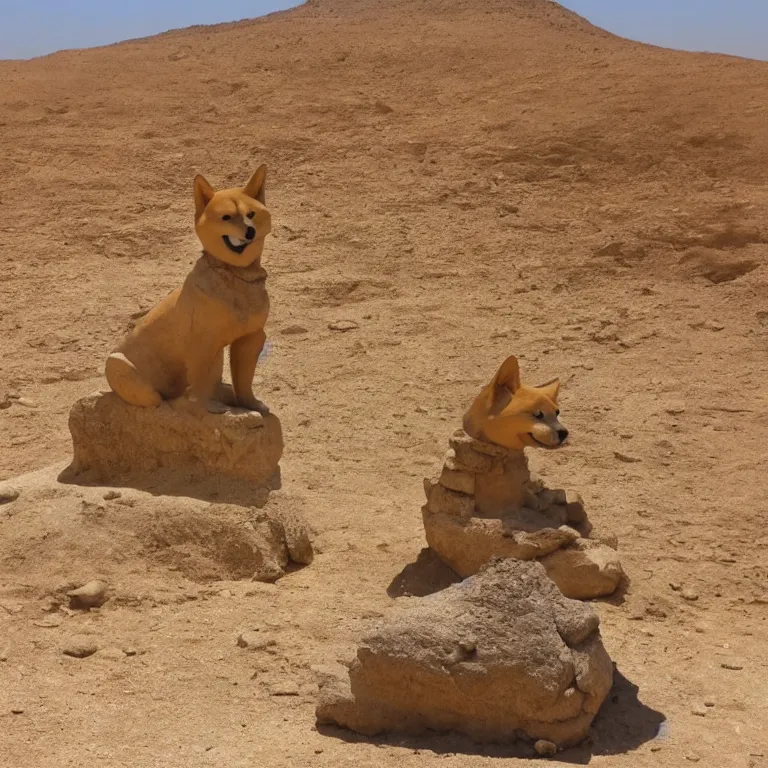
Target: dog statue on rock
178	346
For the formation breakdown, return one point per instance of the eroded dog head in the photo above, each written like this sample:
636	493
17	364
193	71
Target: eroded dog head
232	223
516	416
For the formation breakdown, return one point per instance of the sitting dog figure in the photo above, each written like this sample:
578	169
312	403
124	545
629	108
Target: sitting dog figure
515	416
179	345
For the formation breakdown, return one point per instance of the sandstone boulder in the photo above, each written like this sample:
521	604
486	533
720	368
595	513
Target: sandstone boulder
115	442
585	570
500	656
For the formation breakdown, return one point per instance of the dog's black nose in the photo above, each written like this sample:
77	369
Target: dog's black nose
562	434
250	233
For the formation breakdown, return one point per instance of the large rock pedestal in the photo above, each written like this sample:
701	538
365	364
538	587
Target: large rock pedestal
177	443
500	656
485	504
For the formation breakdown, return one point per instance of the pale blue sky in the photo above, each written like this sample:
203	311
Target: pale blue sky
43	26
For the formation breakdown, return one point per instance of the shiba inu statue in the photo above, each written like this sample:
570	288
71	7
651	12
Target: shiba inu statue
515	416
179	345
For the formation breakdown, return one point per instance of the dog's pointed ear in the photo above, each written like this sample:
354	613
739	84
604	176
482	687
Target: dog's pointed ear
508	375
551	389
203	194
257	185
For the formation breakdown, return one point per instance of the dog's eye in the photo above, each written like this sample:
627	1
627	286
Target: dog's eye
250	215
557	412
538	415
226	217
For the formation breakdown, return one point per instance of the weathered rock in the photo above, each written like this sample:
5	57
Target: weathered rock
8	494
468	543
90	595
584	570
450	504
500	656
457	480
79	648
486	504
115	441
254	640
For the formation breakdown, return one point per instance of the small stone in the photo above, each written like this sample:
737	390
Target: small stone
692	758
626	458
343	325
421	409
130	651
674	408
294	330
699	710
8	494
690	594
26	402
713	325
545	748
255	641
732	665
709	702
80	649
676	586
48	623
90	595
112	495
286	688
17	710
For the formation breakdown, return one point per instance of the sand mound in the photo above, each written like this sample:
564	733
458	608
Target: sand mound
66	534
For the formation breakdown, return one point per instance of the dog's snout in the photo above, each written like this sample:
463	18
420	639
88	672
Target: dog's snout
250	233
562	433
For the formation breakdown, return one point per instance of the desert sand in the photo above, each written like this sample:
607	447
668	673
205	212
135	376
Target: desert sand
451	181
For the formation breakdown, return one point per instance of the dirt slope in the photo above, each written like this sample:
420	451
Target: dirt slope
463	179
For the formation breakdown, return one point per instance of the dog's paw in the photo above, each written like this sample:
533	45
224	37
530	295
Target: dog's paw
212	406
255	405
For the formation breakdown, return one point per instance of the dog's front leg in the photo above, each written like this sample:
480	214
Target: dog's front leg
243	354
203	374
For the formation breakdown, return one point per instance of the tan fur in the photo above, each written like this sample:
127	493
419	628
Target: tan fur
179	345
508	413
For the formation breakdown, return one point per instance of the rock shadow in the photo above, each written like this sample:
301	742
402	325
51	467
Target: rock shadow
427	575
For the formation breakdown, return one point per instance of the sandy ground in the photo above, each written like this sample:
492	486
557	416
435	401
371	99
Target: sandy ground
463	179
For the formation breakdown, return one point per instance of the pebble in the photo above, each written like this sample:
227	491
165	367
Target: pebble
676	586
713	325
699	710
690	594
90	595
626	458
8	494
692	758
709	702
732	665
80	649
675	408
287	688
294	330
112	495
17	710
545	748
255	641
26	402
343	325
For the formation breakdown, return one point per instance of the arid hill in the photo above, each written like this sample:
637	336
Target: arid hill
461	180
